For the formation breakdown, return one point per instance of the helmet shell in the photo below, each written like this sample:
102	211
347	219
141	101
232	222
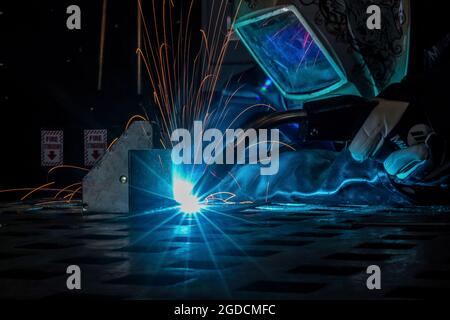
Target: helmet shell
371	60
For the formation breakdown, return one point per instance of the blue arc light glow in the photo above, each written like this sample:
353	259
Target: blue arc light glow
183	195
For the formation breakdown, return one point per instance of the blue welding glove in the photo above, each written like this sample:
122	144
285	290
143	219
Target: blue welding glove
399	135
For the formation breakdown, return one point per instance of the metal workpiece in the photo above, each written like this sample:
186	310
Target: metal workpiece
105	188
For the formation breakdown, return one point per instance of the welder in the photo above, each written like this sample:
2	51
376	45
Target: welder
320	56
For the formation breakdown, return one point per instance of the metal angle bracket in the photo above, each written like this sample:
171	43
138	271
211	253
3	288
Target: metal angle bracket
106	186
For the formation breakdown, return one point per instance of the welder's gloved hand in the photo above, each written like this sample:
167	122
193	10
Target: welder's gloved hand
398	135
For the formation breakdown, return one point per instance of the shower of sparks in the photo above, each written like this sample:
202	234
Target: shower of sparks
67	167
135	118
183	84
67	189
112	143
35	190
184	80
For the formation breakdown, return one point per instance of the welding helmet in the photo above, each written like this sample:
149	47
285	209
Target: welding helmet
314	49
